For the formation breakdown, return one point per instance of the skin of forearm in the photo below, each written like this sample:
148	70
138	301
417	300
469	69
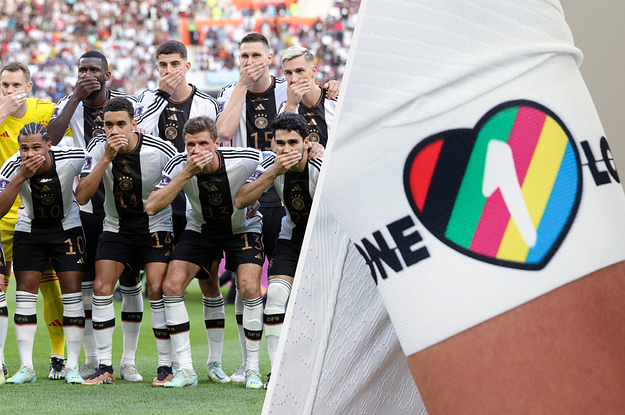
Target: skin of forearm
89	184
57	127
8	196
251	192
161	198
228	121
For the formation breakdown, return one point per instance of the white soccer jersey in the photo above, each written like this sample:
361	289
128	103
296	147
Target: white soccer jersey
339	334
88	122
319	117
258	112
211	196
48	200
165	118
128	181
296	190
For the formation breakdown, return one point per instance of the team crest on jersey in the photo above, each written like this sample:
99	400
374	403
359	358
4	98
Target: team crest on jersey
314	137
47	199
298	203
215	200
125	183
171	133
261	122
505	192
97	132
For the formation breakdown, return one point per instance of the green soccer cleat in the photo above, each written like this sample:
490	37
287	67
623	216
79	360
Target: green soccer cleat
183	377
24	375
216	373
72	375
253	379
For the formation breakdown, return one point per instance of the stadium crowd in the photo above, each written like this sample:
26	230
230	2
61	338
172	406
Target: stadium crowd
51	35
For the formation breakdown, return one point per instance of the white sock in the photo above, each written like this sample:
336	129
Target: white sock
278	292
25	325
253	326
73	326
4	324
159	327
103	327
91	351
214	319
132	314
238	313
178	326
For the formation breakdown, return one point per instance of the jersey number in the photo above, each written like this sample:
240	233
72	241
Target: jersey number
120	200
158	240
55	212
80	244
223	213
258	245
268	137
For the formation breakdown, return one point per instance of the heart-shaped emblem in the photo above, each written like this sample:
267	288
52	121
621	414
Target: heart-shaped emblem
505	192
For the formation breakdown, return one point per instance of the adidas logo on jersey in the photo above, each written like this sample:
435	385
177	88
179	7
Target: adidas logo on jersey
296	188
5	134
45	188
260	107
98	119
173	118
126	169
213	188
80	261
312	122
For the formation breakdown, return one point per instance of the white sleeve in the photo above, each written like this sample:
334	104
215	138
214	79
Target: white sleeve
486	193
152	107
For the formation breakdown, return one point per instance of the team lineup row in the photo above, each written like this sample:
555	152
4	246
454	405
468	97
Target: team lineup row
124	220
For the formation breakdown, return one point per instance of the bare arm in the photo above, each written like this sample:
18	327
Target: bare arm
228	120
57	127
561	353
161	198
89	184
28	168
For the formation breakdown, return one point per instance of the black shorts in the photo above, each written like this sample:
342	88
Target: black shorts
130	249
272	222
66	249
285	256
202	250
92	225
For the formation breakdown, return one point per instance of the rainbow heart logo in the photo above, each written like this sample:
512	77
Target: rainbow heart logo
505	192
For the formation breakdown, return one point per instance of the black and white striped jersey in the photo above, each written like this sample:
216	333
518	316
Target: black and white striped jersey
296	190
165	118
88	122
128	181
319	117
48	202
211	196
258	112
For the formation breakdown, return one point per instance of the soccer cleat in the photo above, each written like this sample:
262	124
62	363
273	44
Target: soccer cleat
174	367
103	375
216	373
5	370
183	377
87	370
57	368
266	384
165	374
253	379
24	375
239	375
129	373
72	375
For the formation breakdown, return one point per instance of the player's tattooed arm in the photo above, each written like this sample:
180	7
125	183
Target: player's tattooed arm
333	88
89	184
161	198
84	86
10	190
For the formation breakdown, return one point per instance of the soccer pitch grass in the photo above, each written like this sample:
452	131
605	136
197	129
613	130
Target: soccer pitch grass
57	397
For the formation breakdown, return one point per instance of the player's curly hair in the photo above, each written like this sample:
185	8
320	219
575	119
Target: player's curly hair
200	124
291	122
170	47
119	104
33	128
97	55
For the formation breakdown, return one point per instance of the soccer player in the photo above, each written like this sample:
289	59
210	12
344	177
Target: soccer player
295	179
210	177
167	109
304	96
130	165
48	226
496	236
17	110
82	112
246	109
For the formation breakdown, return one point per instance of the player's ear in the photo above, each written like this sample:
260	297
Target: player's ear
134	123
269	58
107	76
217	142
29	88
187	66
314	71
